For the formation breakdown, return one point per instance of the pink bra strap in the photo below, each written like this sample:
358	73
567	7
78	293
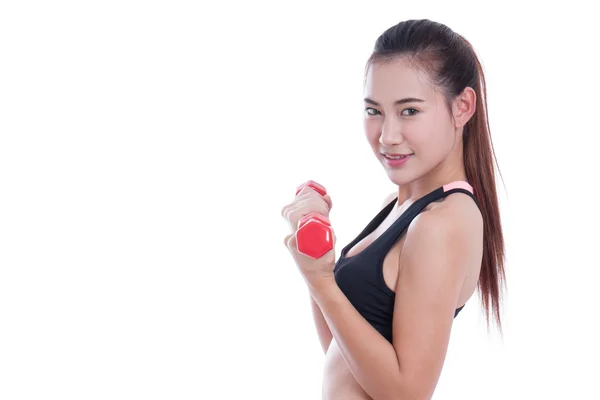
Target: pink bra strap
458	185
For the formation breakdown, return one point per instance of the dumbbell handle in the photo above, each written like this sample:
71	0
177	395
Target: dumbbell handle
314	237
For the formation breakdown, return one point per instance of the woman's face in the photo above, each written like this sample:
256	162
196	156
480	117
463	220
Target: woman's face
405	115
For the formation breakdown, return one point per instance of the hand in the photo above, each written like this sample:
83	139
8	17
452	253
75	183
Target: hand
307	201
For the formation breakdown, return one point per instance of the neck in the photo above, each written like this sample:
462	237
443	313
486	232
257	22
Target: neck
450	170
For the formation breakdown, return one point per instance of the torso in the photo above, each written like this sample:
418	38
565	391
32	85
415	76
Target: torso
338	382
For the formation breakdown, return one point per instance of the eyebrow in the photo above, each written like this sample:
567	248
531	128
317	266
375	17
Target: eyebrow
397	102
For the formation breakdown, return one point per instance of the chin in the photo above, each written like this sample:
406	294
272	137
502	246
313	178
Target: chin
399	177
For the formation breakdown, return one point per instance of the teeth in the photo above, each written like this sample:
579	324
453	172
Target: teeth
396	157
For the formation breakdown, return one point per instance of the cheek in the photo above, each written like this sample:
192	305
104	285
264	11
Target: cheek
433	132
433	143
372	131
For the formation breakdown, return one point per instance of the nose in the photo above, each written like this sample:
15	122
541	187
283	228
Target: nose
390	133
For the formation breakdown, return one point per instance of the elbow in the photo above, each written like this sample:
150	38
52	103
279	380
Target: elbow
403	395
393	392
402	390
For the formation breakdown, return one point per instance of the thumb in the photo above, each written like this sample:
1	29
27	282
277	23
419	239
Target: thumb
290	241
327	199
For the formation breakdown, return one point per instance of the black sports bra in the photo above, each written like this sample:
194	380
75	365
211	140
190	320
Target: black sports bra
360	277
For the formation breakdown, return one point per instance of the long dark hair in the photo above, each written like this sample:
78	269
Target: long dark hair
452	65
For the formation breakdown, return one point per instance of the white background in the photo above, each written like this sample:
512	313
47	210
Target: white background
147	148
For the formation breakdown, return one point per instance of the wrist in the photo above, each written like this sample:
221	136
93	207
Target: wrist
321	285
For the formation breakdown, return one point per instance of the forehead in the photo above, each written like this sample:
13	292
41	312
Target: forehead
396	79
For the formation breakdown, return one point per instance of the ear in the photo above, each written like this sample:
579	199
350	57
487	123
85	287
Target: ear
463	107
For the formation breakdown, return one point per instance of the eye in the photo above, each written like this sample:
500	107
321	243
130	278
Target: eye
411	109
371	111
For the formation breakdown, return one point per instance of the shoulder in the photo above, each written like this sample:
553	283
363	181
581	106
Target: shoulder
453	226
388	199
455	212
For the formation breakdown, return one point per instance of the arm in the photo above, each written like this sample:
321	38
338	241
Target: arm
438	248
323	330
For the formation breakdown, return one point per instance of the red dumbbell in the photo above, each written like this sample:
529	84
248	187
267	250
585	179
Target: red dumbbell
314	236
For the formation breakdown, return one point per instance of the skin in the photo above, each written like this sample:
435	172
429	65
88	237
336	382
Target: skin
433	268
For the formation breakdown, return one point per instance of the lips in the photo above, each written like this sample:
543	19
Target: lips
395	155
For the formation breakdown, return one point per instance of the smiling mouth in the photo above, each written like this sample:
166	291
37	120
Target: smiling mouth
396	157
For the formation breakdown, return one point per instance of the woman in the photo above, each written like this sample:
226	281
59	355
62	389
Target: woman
384	310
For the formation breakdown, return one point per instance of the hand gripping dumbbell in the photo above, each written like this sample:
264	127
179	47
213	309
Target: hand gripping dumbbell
314	237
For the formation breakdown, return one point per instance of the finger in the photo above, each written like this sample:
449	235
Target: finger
317	198
301	196
295	215
327	199
291	208
285	211
305	190
289	240
316	195
304	207
311	191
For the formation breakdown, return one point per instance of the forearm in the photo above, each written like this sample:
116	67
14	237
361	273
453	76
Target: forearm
323	330
369	356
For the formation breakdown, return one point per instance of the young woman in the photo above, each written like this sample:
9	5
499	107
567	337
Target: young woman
384	310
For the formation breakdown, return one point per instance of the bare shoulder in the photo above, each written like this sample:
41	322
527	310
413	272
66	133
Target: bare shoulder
388	199
456	223
457	215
